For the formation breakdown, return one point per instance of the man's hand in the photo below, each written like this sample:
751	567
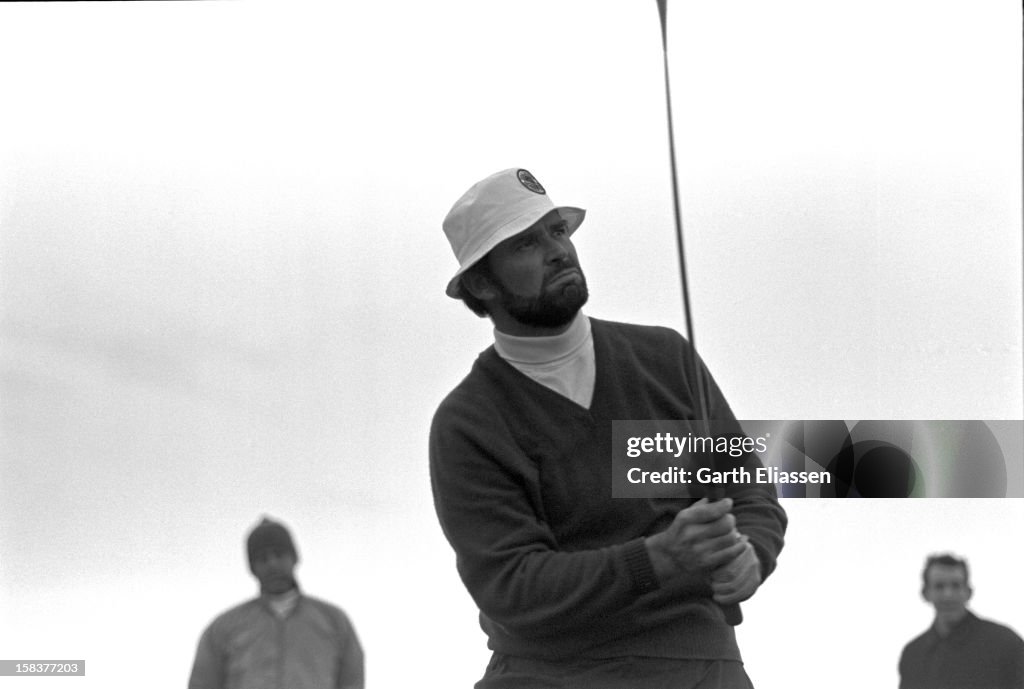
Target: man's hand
737	580
700	540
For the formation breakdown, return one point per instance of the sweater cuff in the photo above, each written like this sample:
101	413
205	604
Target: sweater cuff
640	567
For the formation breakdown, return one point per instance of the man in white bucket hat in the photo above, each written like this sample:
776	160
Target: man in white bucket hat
509	208
577	588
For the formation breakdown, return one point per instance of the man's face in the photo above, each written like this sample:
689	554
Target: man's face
538	275
948	591
275	570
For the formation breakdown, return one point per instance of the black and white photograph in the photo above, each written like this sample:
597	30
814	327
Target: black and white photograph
316	319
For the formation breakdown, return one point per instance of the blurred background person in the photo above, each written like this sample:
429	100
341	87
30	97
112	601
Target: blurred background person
282	639
959	650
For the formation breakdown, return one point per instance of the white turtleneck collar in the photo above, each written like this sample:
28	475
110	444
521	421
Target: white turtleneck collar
563	362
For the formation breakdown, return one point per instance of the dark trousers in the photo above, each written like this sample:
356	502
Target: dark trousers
510	672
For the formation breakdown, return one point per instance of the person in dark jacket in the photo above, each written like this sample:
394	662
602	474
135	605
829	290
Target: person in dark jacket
960	650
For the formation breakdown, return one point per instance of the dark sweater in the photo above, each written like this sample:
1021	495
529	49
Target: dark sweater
977	654
522	487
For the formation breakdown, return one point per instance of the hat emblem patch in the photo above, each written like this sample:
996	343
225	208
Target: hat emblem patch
530	182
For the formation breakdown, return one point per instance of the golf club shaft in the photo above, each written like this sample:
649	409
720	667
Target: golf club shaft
733	615
695	370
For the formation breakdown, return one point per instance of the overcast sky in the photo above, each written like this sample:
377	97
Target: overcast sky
222	284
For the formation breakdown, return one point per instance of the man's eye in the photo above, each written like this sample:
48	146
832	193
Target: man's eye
560	230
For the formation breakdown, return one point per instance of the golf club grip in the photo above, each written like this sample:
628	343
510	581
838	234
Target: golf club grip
733	614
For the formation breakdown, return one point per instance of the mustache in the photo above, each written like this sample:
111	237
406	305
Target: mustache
564	270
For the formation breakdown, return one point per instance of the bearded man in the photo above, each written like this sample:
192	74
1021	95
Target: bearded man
577	588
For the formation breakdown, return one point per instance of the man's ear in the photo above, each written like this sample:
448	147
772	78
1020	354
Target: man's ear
479	286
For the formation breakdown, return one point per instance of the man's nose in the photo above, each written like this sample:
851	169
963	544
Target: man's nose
554	250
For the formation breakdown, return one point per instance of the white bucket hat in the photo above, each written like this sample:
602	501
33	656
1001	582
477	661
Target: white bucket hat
494	209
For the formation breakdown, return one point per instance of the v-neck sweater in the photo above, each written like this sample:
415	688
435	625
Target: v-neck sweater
522	487
563	362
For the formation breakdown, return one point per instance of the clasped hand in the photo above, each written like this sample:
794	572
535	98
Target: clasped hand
703	540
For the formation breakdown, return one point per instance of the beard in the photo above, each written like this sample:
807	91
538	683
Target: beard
554	307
